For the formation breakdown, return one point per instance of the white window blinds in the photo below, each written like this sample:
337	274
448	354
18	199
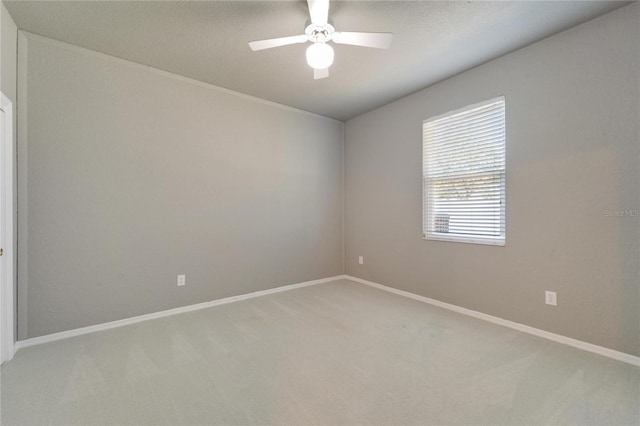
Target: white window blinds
464	175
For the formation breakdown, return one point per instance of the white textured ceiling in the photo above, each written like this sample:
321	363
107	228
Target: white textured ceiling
207	41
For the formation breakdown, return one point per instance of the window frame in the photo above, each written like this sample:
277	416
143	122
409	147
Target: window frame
458	238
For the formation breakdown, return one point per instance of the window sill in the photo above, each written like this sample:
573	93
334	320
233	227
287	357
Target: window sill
469	240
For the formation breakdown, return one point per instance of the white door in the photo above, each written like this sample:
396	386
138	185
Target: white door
7	331
2	295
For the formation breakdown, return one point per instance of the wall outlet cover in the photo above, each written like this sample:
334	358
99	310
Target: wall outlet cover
551	298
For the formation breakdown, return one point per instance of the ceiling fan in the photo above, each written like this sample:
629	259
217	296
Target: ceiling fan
320	32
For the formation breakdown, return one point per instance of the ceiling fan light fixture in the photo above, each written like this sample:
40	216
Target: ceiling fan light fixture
320	56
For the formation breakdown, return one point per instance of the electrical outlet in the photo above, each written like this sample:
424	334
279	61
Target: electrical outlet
182	280
361	260
551	298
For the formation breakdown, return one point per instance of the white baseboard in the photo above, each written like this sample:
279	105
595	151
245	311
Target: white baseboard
589	347
119	323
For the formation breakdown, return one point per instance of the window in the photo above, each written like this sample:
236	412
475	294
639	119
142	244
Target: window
464	175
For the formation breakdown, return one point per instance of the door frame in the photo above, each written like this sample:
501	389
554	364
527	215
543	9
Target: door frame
7	203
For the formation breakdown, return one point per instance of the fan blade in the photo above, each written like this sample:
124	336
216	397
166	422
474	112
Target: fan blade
277	42
377	40
318	74
319	11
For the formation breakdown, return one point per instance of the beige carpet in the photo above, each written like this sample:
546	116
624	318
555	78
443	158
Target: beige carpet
336	353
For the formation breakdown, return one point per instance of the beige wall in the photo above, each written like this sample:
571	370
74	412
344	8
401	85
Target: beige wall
131	176
573	152
8	54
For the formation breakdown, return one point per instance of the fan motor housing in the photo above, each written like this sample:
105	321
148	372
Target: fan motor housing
319	33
